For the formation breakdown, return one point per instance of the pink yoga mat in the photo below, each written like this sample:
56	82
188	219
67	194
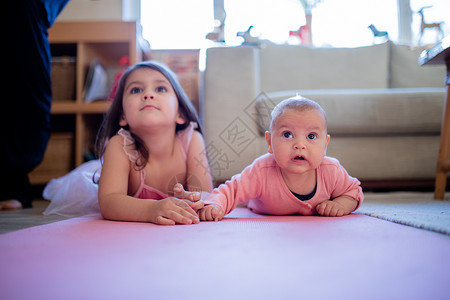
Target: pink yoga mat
245	256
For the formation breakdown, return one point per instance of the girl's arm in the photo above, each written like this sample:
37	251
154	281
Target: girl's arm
115	204
199	175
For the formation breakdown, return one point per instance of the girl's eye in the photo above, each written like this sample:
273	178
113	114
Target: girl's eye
287	134
312	136
161	89
136	90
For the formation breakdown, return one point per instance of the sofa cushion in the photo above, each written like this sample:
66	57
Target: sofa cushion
368	112
387	157
406	72
285	67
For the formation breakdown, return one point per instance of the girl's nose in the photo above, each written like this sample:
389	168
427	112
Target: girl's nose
148	97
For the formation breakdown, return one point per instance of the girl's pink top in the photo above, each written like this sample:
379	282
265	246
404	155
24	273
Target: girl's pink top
183	137
263	186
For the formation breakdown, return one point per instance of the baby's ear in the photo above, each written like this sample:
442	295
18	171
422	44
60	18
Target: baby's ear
269	142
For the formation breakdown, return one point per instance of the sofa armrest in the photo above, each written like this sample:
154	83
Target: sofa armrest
230	87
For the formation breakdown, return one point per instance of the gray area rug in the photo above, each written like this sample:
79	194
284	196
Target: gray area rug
409	208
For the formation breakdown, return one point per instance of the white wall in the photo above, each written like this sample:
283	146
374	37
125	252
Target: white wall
101	10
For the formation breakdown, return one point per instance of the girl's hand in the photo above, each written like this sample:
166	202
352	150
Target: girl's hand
194	198
211	212
171	211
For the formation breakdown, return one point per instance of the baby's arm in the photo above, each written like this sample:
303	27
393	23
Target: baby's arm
337	207
346	190
115	204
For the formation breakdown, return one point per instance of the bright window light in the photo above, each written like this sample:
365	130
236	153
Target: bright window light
271	20
344	23
176	24
181	24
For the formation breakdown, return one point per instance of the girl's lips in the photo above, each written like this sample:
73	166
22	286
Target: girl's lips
149	107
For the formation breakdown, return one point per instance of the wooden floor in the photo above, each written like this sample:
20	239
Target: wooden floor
23	218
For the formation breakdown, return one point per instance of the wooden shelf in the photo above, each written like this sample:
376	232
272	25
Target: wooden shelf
72	107
97	32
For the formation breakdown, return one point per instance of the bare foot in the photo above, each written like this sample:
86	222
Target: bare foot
10	205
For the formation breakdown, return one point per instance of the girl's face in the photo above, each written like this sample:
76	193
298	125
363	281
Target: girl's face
298	140
149	100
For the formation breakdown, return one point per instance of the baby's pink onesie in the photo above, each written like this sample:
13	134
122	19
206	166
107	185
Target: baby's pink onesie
262	184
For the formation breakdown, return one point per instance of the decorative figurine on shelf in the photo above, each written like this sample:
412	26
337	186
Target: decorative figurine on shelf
302	33
124	63
424	25
218	34
381	36
248	38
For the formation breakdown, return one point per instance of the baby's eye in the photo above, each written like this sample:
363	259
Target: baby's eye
287	134
135	90
312	136
161	89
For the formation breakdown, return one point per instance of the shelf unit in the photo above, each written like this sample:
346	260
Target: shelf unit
106	42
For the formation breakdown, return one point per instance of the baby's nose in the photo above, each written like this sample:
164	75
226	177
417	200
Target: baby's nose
148	97
299	145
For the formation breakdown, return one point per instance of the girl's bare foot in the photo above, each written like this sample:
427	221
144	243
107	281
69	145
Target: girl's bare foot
10	204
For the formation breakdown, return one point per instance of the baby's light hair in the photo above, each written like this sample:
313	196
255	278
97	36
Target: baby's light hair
297	103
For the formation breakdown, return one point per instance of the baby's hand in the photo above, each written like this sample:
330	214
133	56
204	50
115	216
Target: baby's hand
211	212
194	198
340	206
330	209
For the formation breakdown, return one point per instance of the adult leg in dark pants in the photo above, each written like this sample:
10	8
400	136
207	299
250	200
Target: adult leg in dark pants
27	102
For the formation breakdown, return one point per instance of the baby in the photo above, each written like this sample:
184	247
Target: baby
295	177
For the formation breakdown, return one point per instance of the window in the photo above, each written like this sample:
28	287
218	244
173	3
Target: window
180	24
271	19
345	23
176	24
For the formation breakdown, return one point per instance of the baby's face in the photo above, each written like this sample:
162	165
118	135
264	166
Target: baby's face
298	140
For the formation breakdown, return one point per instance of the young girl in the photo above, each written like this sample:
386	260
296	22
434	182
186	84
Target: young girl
151	145
295	177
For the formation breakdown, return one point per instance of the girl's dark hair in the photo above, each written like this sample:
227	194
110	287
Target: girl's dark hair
110	125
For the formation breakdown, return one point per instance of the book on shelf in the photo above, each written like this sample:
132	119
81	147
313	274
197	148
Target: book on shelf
96	87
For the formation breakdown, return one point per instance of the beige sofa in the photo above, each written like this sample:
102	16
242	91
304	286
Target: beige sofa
384	111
